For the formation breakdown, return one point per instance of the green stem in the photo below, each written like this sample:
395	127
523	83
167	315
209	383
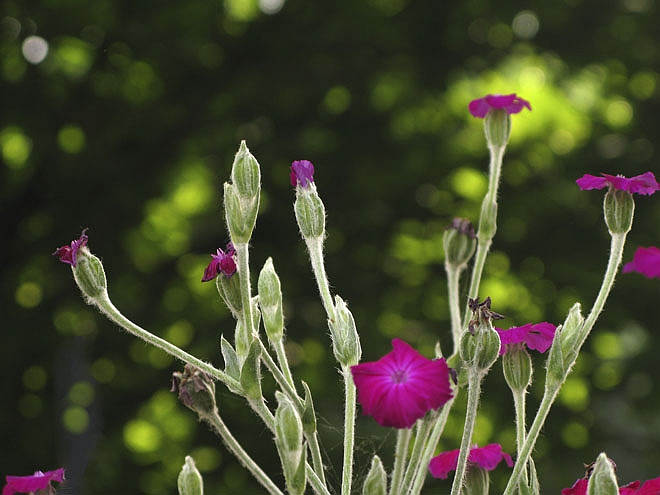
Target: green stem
243	254
315	247
474	388
422	430
243	457
453	277
616	253
313	442
349	431
284	363
400	455
429	449
106	307
519	405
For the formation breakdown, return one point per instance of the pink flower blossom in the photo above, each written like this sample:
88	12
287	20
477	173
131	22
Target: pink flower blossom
29	484
510	103
537	336
222	262
302	172
69	254
645	261
650	487
487	457
402	386
640	184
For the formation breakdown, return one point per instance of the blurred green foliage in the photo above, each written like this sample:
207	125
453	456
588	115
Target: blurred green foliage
124	117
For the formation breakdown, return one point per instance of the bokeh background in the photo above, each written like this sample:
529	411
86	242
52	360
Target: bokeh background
124	116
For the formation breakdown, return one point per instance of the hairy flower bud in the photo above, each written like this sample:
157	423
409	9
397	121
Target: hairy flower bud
89	274
190	480
476	481
564	349
245	173
618	207
497	127
196	389
517	367
310	212
376	481
289	443
603	478
250	378
229	289
459	241
345	339
480	345
270	301
487	219
308	416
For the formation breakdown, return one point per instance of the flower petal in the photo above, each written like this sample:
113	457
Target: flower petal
588	182
578	488
441	465
645	261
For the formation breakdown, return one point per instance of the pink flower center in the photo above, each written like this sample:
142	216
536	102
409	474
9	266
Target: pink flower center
399	376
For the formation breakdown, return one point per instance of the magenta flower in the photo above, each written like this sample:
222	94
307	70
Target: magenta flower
509	103
69	254
650	487
645	261
302	172
222	262
640	184
487	457
537	336
402	386
30	484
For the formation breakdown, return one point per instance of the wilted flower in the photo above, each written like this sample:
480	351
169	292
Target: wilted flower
640	184
487	457
69	254
402	386
645	261
222	262
302	172
30	484
536	336
509	103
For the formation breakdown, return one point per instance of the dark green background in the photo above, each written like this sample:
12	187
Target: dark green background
129	127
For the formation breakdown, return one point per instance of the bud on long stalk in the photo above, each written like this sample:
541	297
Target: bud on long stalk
270	301
345	338
89	274
603	478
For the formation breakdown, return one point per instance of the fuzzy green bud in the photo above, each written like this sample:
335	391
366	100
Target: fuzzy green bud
250	378
89	274
245	173
481	349
618	207
229	289
565	346
517	367
196	390
487	219
603	478
376	481
270	301
310	212
308	415
240	214
476	481
232	364
190	480
345	339
497	128
459	241
289	442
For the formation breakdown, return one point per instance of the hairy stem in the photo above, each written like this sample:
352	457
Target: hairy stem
422	430
315	247
400	455
243	254
519	405
349	431
453	277
474	388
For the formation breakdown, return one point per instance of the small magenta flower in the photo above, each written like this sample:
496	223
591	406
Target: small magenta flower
30	484
402	386
222	262
536	336
302	172
640	184
645	261
69	254
509	103
650	487
487	458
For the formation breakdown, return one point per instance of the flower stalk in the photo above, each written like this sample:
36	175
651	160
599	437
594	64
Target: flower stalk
400	455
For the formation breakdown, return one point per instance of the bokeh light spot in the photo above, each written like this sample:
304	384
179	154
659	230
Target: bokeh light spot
241	10
30	405
81	393
469	183
642	85
28	295
34	378
525	24
575	394
73	57
71	139
206	458
35	49
618	113
607	345
575	435
337	100
75	419
103	370
271	7
500	35
16	147
142	437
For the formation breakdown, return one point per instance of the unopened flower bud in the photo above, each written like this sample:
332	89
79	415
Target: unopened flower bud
476	482
459	241
250	378
229	289
232	364
270	301
487	219
571	330
345	339
89	274
564	349
240	214
376	481
310	212
196	389
497	127
245	173
480	345
308	416
619	208
289	442
517	367
603	478
190	480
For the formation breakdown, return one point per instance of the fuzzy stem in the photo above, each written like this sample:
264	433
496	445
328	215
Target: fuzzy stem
284	363
616	253
315	247
453	277
243	254
519	405
400	455
422	430
108	309
474	388
349	431
243	457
